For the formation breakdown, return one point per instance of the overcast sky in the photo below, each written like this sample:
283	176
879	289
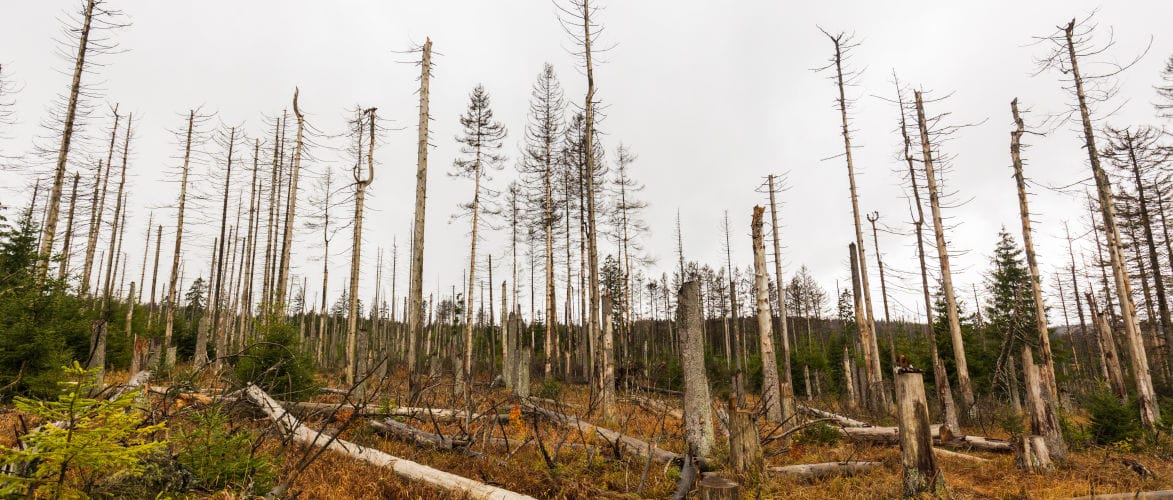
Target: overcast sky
712	96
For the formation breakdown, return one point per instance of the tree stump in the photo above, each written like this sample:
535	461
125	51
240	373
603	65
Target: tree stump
698	413
745	451
916	441
714	487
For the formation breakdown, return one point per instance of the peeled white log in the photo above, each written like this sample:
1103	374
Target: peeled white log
844	421
628	443
458	485
824	470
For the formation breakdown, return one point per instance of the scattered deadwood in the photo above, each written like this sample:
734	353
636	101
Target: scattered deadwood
452	483
940	452
824	470
440	414
628	443
660	390
409	434
657	407
890	435
843	421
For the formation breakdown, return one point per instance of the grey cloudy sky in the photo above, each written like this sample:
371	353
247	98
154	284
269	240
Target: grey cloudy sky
711	95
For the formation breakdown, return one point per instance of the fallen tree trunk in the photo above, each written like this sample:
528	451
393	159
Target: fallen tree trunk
890	435
631	444
953	454
409	434
452	483
825	470
440	414
658	407
1142	495
844	421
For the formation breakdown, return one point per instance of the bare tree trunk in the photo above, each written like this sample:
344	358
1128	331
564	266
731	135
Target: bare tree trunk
787	383
107	283
154	276
98	207
63	267
360	185
738	340
1109	358
415	294
921	474
218	287
745	451
607	375
872	218
698	413
1150	413
178	239
1028	245
863	386
589	139
1044	420
52	209
287	238
963	381
771	391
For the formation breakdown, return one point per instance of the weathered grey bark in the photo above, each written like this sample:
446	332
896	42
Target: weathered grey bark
217	302
745	451
1044	420
416	281
63	267
787	383
811	472
607	358
98	207
1150	413
107	286
921	474
287	237
872	218
1109	358
963	381
848	380
1048	373
154	277
360	186
867	328
863	385
589	178
174	281
771	391
50	227
738	340
97	358
698	413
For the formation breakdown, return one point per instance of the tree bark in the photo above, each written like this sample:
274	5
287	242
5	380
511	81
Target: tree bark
287	238
416	282
921	474
63	268
963	381
787	383
174	281
360	184
745	451
771	391
698	414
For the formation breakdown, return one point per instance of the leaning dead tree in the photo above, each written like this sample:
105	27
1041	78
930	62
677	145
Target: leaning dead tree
877	396
415	309
963	381
1067	46
1044	419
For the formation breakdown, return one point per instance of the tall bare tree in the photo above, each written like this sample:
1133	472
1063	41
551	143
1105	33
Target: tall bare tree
361	183
416	279
287	235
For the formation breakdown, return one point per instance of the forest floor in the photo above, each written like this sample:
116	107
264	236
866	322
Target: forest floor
585	466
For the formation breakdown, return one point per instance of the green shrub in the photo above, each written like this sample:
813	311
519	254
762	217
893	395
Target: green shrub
819	433
99	441
220	457
1113	421
277	363
551	389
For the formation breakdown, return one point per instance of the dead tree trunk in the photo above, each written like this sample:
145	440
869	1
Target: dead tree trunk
174	280
698	414
287	238
50	226
787	383
98	207
415	309
1044	422
360	186
607	376
771	392
63	267
1109	358
1028	245
963	381
107	286
1150	414
921	474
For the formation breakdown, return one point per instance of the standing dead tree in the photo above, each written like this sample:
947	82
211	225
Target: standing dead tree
361	182
786	385
173	282
1067	46
415	330
878	396
771	392
698	412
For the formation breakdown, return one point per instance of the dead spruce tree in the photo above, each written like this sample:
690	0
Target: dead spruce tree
291	203
1067	46
1044	414
771	392
629	226
698	413
931	176
98	207
93	18
546	109
480	147
415	308
364	122
786	385
173	281
877	395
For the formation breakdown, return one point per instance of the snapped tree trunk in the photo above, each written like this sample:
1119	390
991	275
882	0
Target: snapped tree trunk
771	392
698	413
415	308
921	474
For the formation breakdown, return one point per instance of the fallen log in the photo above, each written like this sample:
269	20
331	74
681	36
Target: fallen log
658	407
409	434
953	454
825	470
446	481
1140	495
628	443
890	435
842	420
440	414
